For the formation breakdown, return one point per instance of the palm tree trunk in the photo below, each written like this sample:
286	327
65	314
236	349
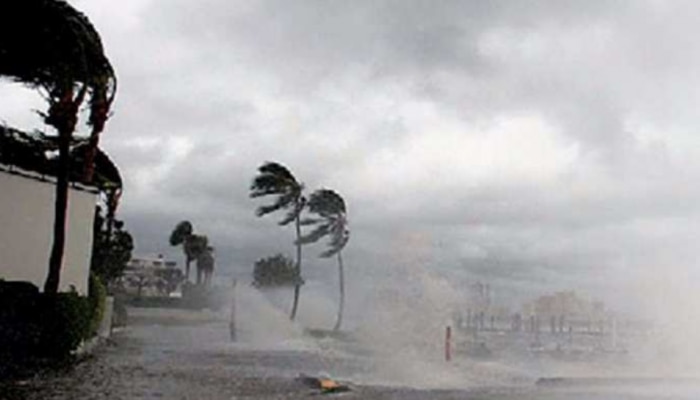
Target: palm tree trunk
297	285
63	115
60	211
341	282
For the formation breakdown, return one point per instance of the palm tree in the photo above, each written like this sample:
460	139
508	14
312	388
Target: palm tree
274	179
330	207
49	45
180	236
193	245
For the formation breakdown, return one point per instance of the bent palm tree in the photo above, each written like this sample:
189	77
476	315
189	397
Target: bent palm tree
183	234
330	207
49	45
274	179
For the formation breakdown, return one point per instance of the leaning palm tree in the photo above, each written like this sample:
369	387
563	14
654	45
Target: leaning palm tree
50	46
274	179
331	221
192	244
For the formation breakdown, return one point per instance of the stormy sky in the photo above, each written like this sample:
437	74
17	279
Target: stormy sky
536	145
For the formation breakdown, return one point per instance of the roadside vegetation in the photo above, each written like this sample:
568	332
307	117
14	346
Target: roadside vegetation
53	48
324	210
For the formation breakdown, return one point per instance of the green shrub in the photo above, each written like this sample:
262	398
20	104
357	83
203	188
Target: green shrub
19	330
97	298
35	325
64	323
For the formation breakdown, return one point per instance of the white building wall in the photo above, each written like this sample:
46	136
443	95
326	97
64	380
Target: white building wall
26	232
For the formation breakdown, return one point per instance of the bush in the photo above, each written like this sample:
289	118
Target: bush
19	329
97	298
35	325
65	321
275	271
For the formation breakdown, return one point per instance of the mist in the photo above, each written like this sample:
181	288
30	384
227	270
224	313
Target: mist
537	148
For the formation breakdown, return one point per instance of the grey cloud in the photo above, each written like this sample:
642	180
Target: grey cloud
334	90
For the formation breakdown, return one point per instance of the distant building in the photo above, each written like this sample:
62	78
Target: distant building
565	310
146	263
564	303
151	276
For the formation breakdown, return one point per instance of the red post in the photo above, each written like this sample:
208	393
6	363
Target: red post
448	343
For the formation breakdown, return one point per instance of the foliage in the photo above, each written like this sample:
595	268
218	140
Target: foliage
193	245
36	325
181	232
66	48
330	207
275	271
276	180
65	320
205	265
97	298
111	249
332	221
168	280
66	60
19	329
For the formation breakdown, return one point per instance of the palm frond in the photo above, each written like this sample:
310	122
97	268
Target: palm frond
310	221
195	245
291	216
180	233
330	206
316	234
277	169
275	179
336	244
264	185
282	202
326	203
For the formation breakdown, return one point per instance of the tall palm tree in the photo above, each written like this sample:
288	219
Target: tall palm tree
49	45
332	221
274	179
193	245
180	236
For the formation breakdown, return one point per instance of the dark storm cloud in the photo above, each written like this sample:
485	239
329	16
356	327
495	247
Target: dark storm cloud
534	142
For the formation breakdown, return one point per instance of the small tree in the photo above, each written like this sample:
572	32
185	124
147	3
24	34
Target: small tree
168	280
111	249
275	271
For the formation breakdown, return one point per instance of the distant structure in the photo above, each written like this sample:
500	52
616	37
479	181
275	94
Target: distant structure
565	309
151	276
482	311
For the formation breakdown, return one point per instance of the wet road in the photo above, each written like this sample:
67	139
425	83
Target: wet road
168	354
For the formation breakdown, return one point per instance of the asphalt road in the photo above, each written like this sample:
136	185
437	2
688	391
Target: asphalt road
169	354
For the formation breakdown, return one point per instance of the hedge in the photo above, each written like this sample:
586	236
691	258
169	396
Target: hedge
35	325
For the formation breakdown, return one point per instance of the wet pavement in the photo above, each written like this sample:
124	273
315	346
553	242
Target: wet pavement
170	354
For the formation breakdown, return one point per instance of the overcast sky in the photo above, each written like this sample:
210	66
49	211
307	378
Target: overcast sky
536	145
